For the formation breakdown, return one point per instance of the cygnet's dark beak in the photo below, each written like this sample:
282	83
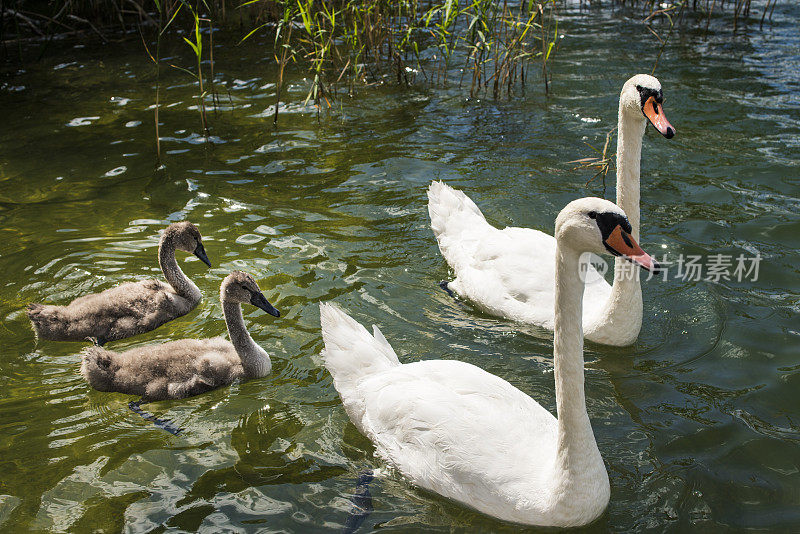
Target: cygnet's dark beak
200	252
260	301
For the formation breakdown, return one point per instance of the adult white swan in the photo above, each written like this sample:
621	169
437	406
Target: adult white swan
510	273
454	429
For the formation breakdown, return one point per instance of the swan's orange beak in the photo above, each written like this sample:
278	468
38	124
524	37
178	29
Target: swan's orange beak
655	114
621	243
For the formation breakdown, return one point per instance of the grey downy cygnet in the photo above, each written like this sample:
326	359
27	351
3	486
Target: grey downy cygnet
131	308
187	367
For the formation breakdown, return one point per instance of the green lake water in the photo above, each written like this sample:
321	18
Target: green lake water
698	422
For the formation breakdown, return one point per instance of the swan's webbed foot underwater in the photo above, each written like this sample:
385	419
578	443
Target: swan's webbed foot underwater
443	285
164	424
362	503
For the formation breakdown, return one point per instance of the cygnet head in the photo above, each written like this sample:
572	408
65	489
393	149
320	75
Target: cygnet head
642	97
187	238
241	287
596	225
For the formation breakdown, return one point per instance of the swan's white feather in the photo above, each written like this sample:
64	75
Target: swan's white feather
459	431
509	272
351	354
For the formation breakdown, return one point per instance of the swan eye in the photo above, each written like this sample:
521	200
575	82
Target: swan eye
593	215
639	88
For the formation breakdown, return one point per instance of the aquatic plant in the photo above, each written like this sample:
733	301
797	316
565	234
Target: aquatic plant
36	19
359	41
196	45
351	43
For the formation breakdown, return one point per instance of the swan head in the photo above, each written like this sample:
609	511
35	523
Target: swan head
641	97
187	238
240	287
596	225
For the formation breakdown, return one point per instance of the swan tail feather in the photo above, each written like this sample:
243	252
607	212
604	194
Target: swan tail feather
34	309
351	353
454	218
58	323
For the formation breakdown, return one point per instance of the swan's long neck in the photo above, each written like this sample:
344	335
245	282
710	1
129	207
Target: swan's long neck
576	444
630	130
623	311
172	271
255	360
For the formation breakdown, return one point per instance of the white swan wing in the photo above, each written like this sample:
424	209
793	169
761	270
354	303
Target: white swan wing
456	222
351	354
452	428
512	274
509	272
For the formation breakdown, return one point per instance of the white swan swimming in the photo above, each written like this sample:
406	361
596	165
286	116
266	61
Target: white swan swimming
456	430
509	272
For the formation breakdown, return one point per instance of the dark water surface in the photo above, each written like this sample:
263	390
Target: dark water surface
698	422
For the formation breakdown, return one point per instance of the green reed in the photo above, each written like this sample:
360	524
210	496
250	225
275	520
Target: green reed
360	42
196	44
